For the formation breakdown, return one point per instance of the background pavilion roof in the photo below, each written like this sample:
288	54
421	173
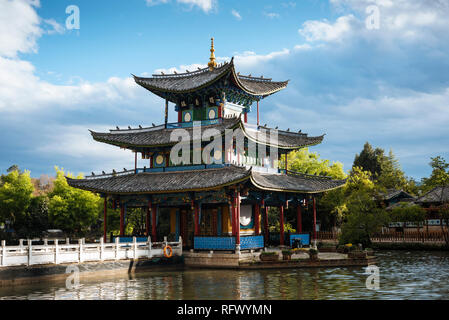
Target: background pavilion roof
206	179
192	81
436	195
160	136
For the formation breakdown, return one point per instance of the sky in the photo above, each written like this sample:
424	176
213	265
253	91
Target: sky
359	70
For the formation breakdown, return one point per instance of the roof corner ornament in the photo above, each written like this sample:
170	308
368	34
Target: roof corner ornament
212	63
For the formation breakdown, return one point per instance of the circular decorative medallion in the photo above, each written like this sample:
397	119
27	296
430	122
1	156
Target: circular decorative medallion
217	155
159	159
245	215
187	117
211	114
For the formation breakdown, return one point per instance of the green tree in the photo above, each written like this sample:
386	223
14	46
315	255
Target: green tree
70	209
439	175
391	175
310	163
407	212
363	217
370	160
36	221
15	197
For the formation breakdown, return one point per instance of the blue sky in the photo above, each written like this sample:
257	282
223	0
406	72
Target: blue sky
388	86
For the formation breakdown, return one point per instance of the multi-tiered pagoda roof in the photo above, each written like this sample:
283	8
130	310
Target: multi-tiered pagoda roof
215	174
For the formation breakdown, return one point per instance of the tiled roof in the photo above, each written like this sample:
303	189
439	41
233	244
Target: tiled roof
393	193
191	81
197	180
285	139
436	195
160	136
158	182
294	182
157	136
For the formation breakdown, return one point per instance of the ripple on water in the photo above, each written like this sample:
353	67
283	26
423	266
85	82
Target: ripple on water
403	275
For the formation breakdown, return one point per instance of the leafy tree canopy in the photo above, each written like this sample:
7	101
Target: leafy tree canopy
310	163
369	159
70	209
439	175
15	196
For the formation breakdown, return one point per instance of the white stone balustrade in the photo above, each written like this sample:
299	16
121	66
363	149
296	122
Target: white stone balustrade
58	253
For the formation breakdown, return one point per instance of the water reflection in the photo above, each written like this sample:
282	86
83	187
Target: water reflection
404	275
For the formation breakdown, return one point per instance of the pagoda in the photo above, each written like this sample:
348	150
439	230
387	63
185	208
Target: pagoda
214	198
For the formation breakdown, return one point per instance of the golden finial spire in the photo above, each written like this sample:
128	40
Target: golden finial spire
212	63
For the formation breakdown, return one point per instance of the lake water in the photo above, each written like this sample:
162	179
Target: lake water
403	275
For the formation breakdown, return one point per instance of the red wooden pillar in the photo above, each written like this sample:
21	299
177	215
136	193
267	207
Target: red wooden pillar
197	219
122	219
232	215
265	224
299	218
281	231
245	117
220	115
179	115
314	218
105	217
237	219
153	223
257	112
257	218
147	220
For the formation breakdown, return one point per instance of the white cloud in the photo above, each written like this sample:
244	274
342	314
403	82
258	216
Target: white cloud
20	27
181	68
76	144
205	5
302	47
151	3
56	27
236	14
249	59
272	15
326	31
400	20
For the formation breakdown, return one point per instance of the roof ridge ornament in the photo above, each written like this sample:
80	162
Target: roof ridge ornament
212	63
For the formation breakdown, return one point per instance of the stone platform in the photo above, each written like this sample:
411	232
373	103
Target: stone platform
251	260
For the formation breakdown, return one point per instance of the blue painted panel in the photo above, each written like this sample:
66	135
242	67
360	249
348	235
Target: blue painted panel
251	242
305	238
228	243
214	243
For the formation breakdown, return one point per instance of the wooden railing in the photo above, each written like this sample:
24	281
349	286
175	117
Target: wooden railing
392	236
327	235
57	253
410	236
